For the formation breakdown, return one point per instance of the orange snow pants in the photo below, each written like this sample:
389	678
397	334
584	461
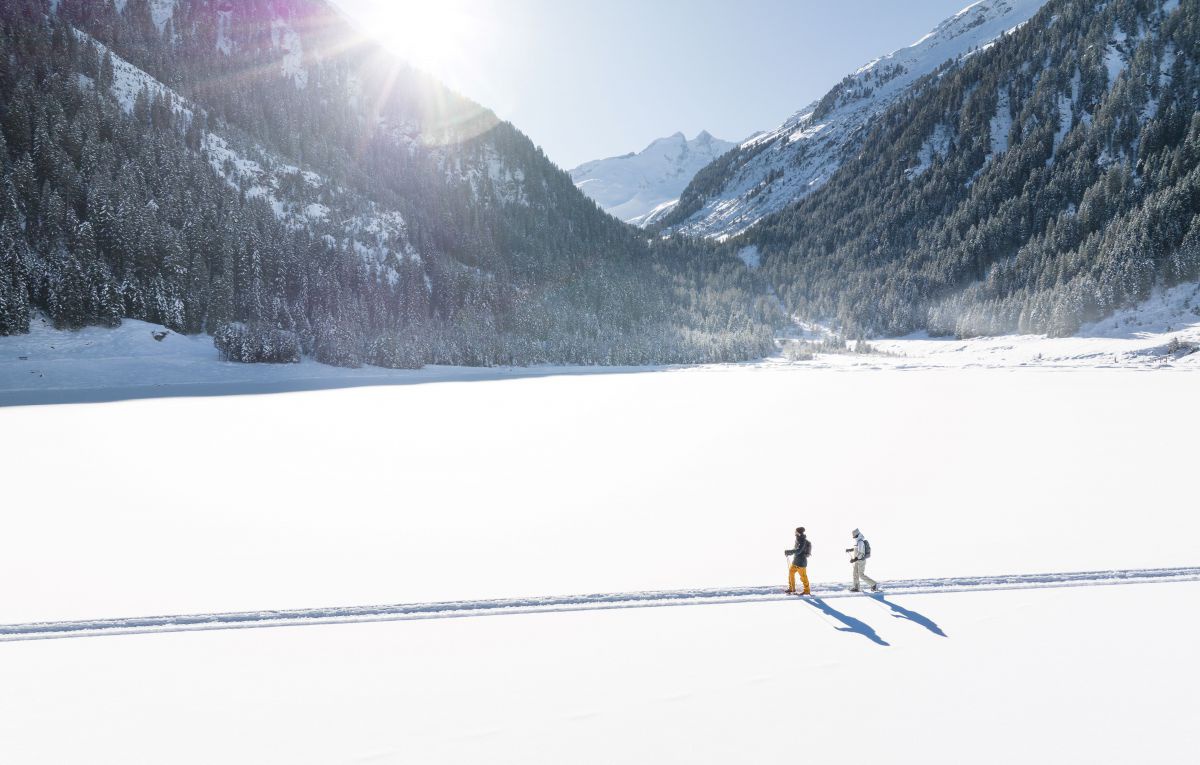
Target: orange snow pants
792	579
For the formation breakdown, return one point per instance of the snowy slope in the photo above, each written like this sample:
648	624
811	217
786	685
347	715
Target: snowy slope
776	168
632	187
283	46
376	233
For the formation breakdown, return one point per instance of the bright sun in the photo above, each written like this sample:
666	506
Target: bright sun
432	34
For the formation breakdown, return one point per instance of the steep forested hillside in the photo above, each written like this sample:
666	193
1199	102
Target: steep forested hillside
1040	182
772	170
256	170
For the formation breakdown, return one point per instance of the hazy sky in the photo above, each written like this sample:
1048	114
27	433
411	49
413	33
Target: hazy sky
587	79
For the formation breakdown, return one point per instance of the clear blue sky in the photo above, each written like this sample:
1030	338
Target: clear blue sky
587	79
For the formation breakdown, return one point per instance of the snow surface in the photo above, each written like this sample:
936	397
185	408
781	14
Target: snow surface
935	146
1093	675
510	468
1065	119
285	38
1139	337
556	485
973	460
96	364
458	609
161	12
1001	124
635	187
130	81
224	24
750	256
1114	61
803	153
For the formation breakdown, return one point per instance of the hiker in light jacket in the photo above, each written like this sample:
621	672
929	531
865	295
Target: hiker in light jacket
799	565
858	558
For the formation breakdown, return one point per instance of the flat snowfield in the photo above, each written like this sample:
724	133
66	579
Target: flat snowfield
561	485
1087	675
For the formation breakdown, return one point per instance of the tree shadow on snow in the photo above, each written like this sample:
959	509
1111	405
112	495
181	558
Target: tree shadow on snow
900	612
851	624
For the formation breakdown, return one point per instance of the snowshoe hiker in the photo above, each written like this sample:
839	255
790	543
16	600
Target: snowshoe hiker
799	554
858	558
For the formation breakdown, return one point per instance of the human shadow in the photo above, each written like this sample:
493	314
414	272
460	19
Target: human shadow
900	612
852	625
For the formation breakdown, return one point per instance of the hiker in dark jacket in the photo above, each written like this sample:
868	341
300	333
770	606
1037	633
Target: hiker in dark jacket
799	565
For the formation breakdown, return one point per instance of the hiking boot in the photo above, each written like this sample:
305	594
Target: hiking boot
875	588
855	589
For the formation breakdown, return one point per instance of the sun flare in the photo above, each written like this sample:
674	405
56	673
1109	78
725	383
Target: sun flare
431	34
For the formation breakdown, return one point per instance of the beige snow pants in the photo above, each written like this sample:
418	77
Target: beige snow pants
860	572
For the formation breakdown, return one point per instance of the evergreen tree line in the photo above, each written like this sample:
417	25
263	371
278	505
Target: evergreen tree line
1068	187
108	213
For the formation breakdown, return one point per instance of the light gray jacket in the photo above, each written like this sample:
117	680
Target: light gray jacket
860	549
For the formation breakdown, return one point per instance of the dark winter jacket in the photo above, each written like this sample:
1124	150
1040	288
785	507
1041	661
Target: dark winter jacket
801	553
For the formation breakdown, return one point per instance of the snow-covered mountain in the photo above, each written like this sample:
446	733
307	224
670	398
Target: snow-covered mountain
638	187
263	172
773	169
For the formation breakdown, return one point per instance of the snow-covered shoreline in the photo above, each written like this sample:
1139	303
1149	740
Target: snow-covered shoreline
94	364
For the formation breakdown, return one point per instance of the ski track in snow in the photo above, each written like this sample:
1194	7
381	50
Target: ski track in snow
598	601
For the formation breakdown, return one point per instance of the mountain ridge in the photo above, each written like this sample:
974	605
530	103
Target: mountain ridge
635	186
1037	186
257	166
774	169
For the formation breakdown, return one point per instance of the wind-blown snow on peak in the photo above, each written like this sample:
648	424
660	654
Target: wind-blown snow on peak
634	186
771	170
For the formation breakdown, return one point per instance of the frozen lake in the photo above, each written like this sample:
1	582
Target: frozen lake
592	483
560	485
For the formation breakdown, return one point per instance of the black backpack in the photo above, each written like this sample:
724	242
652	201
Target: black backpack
807	548
866	549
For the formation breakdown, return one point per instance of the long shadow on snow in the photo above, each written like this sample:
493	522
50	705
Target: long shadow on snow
852	625
903	613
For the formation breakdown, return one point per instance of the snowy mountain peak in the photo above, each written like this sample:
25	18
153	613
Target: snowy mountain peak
772	170
635	187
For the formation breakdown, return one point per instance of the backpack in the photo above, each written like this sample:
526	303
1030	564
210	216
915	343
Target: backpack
866	549
807	548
